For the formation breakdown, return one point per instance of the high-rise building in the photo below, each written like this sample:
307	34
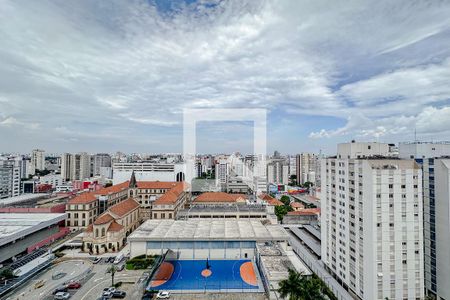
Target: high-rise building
66	171
101	160
9	180
306	167
37	160
372	222
442	229
222	171
278	171
75	166
435	181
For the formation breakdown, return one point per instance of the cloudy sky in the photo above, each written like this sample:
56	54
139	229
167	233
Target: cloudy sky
116	75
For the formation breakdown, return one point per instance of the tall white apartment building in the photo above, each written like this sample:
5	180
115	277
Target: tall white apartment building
278	171
442	228
66	171
432	156
222	171
37	160
9	179
306	167
371	222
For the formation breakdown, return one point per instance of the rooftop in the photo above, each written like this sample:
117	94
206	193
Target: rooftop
208	229
16	225
220	197
124	207
22	198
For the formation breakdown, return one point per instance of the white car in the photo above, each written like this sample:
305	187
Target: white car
62	296
163	295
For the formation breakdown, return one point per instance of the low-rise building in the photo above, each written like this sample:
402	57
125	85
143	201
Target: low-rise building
303	216
216	198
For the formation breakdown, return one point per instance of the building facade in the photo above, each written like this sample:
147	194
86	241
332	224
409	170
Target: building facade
101	160
372	224
37	160
305	167
431	156
109	231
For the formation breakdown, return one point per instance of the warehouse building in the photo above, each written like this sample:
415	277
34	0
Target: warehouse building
205	238
21	233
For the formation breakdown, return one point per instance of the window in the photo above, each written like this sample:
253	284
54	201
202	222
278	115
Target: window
103	231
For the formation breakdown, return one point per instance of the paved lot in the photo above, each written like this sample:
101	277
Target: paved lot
95	280
52	277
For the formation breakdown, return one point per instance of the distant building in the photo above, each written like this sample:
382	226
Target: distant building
101	160
37	161
75	166
150	171
9	180
278	171
306	166
235	184
222	172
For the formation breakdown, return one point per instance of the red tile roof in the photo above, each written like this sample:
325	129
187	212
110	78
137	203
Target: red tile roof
124	207
171	196
270	200
114	227
297	205
90	228
218	197
163	185
305	212
84	198
113	189
103	219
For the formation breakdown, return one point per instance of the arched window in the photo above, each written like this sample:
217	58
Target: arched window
96	232
103	231
180	176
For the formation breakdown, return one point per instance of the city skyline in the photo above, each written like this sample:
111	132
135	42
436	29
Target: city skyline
97	77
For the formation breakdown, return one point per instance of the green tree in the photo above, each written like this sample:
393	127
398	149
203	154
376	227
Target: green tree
282	210
291	287
285	199
308	184
299	287
7	273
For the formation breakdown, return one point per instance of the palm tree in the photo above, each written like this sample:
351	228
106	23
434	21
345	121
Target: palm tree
291	286
112	269
300	287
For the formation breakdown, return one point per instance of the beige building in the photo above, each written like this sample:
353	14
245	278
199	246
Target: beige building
84	208
174	200
109	230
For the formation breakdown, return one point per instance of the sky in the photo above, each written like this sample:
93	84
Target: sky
109	75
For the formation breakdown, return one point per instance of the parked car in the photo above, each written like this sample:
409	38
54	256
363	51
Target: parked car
60	289
119	294
109	289
96	260
74	285
163	295
121	267
111	259
61	296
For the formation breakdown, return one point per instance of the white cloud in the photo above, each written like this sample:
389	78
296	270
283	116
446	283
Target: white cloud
118	67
